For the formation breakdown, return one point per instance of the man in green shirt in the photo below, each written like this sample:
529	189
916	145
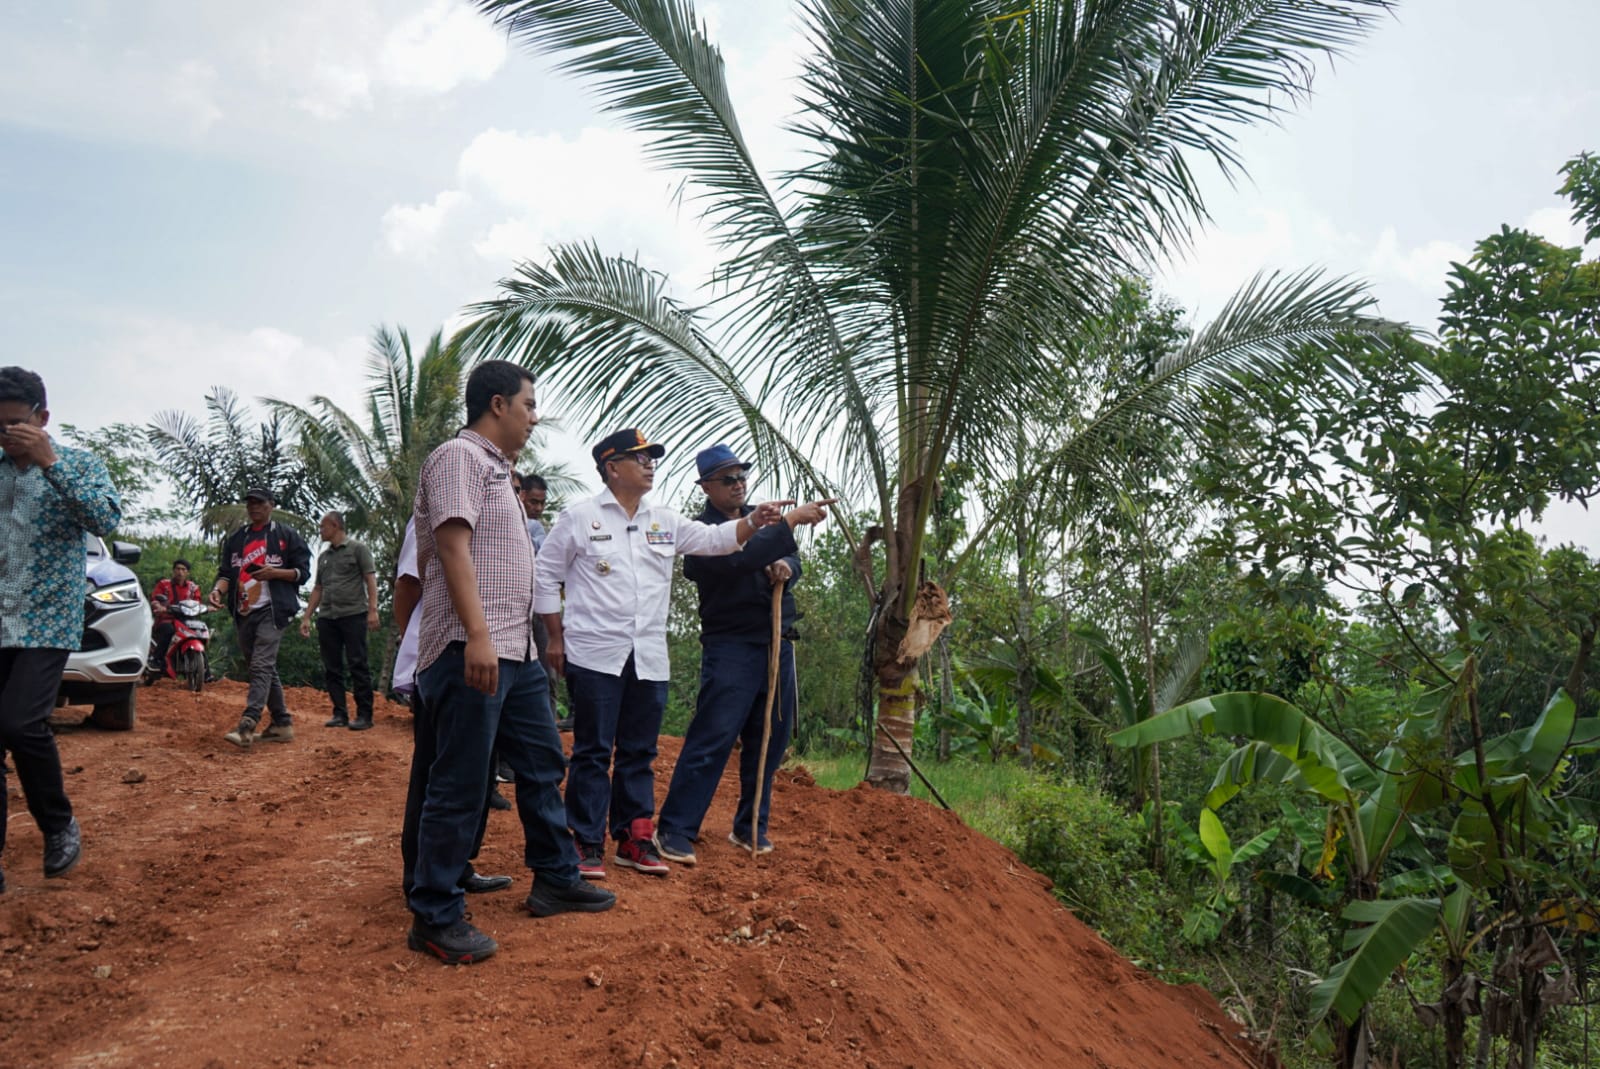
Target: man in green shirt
344	601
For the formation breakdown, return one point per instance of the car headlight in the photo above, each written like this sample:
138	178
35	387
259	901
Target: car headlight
117	594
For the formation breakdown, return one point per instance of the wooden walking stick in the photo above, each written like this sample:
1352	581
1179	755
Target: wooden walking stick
766	723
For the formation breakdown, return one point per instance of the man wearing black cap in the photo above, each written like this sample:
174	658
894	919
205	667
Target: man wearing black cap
614	554
735	639
263	565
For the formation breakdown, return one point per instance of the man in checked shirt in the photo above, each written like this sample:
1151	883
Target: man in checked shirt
477	672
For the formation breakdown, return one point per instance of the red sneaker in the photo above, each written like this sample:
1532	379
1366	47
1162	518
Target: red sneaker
638	851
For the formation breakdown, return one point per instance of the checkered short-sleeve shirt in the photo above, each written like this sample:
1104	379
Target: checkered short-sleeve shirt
469	479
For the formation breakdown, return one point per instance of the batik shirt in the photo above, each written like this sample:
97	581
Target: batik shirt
44	513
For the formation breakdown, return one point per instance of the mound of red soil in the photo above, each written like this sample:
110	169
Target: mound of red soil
244	909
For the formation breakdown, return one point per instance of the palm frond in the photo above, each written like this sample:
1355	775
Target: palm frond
653	66
629	354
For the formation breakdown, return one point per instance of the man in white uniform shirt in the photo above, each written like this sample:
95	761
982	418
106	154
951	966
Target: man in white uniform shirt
614	553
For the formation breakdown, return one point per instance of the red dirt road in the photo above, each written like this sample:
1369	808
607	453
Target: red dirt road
244	909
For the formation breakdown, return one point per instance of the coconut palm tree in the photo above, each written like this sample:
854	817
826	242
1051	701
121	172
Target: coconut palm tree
984	175
369	466
369	463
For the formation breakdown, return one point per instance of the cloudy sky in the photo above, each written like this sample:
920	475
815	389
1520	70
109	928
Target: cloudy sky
207	192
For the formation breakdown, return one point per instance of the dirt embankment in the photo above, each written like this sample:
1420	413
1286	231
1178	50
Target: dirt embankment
243	909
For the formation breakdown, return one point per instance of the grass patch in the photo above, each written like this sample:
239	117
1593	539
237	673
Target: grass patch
977	790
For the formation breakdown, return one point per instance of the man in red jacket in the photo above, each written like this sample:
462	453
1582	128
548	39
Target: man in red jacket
169	592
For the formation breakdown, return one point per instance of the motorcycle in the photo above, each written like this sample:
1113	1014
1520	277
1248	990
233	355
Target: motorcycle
186	653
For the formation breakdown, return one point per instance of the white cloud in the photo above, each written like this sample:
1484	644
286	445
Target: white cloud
1555	225
333	90
161	72
149	363
441	47
550	188
192	91
1226	257
1424	266
412	230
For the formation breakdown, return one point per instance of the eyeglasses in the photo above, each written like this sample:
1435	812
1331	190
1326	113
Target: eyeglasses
644	459
726	480
6	425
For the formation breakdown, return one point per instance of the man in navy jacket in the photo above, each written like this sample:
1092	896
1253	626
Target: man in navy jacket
263	565
735	637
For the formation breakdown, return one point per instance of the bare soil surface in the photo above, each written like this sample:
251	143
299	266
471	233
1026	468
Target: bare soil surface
244	909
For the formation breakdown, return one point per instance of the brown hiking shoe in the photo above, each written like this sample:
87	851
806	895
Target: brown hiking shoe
277	733
243	735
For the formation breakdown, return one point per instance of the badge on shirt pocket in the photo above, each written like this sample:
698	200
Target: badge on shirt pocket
602	566
658	538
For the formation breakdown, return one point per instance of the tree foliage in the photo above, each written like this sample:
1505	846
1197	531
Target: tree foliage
983	178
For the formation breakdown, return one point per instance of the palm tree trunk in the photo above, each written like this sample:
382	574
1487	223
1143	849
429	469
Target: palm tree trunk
947	692
1147	637
1024	646
896	717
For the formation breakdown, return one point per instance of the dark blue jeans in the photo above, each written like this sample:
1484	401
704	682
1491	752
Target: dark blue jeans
467	724
424	748
733	695
612	714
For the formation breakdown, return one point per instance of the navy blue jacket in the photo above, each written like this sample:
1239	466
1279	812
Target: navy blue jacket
735	595
285	549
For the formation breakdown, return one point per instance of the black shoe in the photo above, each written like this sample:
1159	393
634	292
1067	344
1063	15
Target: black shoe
62	850
477	884
361	723
547	899
458	944
338	721
502	774
564	724
499	801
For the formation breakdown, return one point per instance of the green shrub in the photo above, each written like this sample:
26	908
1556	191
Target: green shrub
1094	852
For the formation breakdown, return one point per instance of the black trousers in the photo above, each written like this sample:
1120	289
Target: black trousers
29	680
160	639
424	748
344	641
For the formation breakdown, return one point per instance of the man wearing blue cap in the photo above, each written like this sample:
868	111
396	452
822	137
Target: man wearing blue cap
613	552
735	640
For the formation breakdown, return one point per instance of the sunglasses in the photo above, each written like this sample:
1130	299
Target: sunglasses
644	459
726	480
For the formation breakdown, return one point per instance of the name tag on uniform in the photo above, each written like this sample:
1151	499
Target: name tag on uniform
658	538
600	538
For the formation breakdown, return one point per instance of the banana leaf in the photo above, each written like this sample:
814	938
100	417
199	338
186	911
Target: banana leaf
1391	931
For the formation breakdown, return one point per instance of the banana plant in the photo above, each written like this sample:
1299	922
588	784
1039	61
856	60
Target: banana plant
1211	846
1372	809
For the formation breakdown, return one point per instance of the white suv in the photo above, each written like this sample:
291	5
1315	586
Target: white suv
105	673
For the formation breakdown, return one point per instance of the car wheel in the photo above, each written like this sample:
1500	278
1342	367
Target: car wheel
115	713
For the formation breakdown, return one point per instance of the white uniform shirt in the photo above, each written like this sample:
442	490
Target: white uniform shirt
405	662
618	575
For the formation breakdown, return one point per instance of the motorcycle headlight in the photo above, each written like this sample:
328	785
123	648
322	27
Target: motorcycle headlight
118	594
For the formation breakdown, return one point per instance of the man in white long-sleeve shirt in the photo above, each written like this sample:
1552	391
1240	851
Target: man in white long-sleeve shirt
613	552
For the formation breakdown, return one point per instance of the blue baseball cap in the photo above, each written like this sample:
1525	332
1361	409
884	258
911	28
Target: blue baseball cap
716	458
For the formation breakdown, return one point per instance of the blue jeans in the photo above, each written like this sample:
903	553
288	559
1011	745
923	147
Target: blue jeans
620	714
467	724
733	695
